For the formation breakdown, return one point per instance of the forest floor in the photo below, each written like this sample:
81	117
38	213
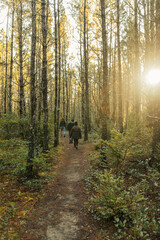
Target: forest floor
61	214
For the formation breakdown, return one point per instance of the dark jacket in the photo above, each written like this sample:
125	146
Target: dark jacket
70	125
62	123
76	132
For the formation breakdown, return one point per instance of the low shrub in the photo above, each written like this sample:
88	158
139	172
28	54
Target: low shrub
13	155
12	126
125	149
40	164
133	214
123	186
111	199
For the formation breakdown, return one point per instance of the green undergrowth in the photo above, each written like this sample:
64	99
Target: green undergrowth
18	193
122	187
11	126
13	155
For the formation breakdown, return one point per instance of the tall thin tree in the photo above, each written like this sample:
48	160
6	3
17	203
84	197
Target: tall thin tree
21	81
156	128
59	70
29	167
44	76
105	90
6	68
137	62
63	70
120	114
114	101
86	117
56	77
11	63
82	77
67	90
152	30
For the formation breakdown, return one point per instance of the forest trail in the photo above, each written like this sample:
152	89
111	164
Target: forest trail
61	214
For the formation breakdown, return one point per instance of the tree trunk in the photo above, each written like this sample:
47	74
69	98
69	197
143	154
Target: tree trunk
40	100
105	91
99	90
21	83
146	28
137	63
66	81
152	31
44	76
56	79
29	168
86	79
3	78
59	72
82	80
128	93
156	128
120	116
114	85
63	65
11	65
70	94
6	69
87	85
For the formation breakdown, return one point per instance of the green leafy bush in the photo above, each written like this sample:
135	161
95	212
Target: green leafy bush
111	199
40	164
125	149
12	126
134	216
13	154
124	188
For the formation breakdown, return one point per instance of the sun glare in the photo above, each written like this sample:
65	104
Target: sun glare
153	77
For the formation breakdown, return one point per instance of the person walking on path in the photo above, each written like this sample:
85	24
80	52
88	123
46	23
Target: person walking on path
70	126
62	126
76	134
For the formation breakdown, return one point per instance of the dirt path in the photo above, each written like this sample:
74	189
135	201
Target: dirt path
61	215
